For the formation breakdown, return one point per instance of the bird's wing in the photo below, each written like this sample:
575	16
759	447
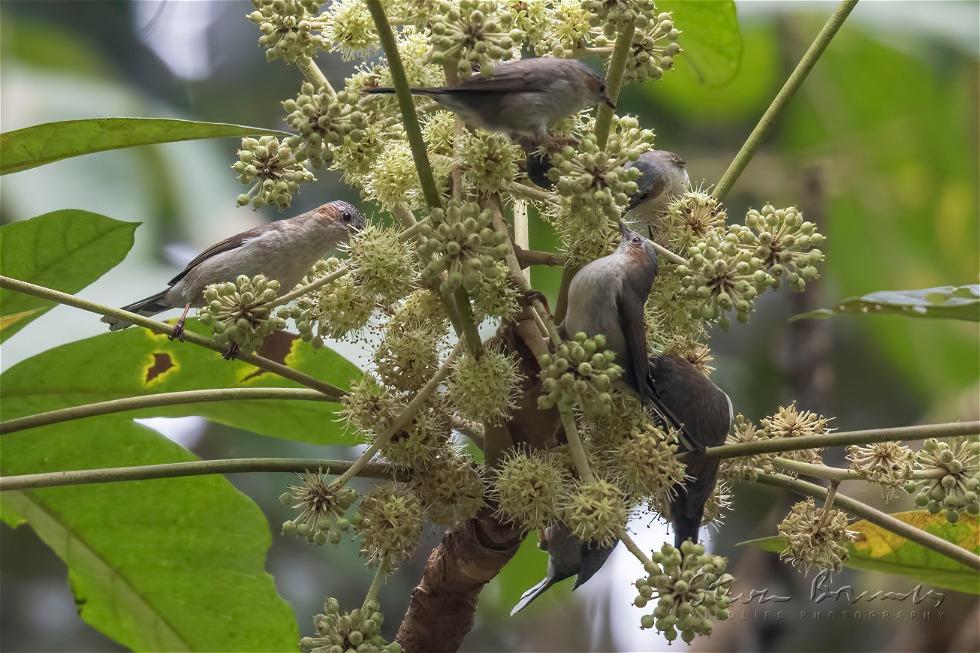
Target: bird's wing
505	78
630	310
593	557
233	242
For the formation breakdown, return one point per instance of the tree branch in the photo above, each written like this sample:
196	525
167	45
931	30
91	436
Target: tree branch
614	82
167	329
192	468
844	438
124	404
877	517
782	99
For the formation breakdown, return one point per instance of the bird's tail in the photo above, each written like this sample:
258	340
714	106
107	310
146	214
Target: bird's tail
376	90
146	307
532	594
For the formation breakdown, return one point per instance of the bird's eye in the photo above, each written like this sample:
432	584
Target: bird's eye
346	216
636	240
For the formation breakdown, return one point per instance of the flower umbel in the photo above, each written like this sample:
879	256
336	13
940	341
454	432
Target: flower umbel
815	539
322	506
528	488
581	372
240	312
746	467
887	464
272	170
791	422
289	28
389	522
954	477
484	389
595	512
787	244
358	630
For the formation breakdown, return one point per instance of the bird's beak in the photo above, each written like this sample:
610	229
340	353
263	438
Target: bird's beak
608	102
623	229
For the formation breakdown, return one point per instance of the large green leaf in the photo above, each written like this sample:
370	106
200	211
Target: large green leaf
161	565
944	302
65	250
877	549
137	362
41	144
710	38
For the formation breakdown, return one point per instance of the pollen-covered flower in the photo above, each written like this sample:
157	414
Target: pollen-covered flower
420	444
887	464
240	312
791	422
382	262
788	245
689	219
746	467
489	161
484	389
691	589
647	463
369	406
528	488
389	522
473	34
693	351
332	311
393	178
451	490
357	630
496	295
595	511
272	170
949	477
815	539
322	506
568	27
290	28
407	356
580	372
349	28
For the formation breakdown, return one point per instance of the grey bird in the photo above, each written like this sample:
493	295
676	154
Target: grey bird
706	412
521	98
707	415
607	296
284	250
663	175
567	556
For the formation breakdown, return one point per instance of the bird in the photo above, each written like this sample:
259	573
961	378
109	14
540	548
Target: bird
284	251
663	175
607	297
707	414
521	98
567	556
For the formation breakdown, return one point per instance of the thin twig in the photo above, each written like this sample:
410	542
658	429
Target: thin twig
124	404
528	257
782	99
379	579
828	504
837	474
313	74
878	518
168	329
191	468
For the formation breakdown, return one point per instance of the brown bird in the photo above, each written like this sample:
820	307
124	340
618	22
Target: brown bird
284	251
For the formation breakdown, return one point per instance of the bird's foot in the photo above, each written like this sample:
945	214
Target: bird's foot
178	332
232	351
528	297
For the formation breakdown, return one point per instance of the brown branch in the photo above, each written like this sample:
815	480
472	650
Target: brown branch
443	605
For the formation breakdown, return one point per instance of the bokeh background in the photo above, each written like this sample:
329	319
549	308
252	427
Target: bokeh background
880	147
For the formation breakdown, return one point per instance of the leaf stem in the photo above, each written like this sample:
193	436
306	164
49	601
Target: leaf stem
191	468
167	329
313	74
837	474
614	82
405	102
379	580
635	549
124	404
844	438
877	517
761	130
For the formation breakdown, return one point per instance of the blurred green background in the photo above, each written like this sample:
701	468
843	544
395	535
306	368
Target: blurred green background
880	146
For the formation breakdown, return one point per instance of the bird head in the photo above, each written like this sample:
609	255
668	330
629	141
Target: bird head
639	249
596	85
342	213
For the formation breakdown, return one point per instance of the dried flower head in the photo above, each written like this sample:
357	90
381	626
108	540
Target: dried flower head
746	467
790	422
887	464
322	506
815	539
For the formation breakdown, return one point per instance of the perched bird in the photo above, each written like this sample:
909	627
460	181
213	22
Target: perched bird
662	175
706	412
567	556
607	296
707	415
284	251
521	98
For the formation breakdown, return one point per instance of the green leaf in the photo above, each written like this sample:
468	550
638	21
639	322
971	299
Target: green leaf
137	362
877	549
65	250
710	38
41	144
943	302
161	565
